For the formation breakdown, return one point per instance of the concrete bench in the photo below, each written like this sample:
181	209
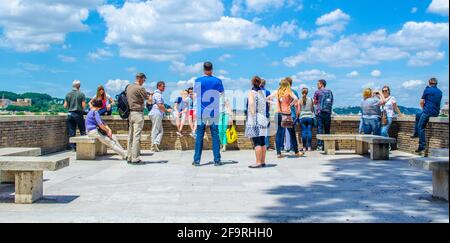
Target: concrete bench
439	167
379	146
6	176
329	141
28	173
88	148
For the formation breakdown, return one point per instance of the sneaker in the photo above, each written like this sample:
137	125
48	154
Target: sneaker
155	148
280	156
196	164
179	134
420	152
414	136
219	163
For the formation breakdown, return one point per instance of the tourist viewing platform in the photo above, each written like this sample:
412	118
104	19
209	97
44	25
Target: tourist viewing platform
344	187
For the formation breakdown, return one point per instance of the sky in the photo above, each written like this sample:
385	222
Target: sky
46	44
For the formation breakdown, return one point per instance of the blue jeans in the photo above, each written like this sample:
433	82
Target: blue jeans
323	125
307	124
385	128
74	120
214	129
422	120
280	136
372	126
104	111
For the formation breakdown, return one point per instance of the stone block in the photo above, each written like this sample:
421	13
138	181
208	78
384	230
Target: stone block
29	186
440	184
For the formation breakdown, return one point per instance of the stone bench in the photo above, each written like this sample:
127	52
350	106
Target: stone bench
88	148
6	176
329	141
28	173
379	146
439	167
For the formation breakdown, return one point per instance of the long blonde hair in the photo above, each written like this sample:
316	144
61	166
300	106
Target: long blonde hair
284	89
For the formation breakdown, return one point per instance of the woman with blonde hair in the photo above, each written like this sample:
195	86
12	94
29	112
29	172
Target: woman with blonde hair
389	108
285	100
371	111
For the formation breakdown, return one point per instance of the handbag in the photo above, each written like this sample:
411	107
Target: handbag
232	135
384	120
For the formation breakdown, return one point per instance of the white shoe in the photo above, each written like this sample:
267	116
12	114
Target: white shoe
179	134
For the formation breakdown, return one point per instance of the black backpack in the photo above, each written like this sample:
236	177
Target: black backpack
122	105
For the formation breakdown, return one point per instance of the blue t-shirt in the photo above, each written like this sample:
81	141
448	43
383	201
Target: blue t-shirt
293	108
433	99
208	90
371	108
93	119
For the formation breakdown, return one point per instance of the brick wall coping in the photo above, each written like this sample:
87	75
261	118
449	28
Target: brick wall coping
10	118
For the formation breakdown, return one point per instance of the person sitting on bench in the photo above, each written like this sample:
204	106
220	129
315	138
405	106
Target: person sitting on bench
98	129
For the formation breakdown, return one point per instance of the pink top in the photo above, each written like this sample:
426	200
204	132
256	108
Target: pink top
284	104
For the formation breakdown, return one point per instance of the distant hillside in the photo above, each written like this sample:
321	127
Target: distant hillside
355	110
40	102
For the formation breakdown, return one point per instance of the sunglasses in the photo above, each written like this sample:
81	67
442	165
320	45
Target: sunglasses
385	91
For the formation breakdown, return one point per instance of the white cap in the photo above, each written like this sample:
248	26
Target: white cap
76	82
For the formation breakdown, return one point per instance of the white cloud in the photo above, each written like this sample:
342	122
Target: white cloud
439	7
414	10
353	74
116	86
100	54
30	66
30	25
375	47
284	44
224	57
223	72
186	83
376	73
259	6
182	68
172	28
314	74
65	58
425	58
411	84
332	23
131	70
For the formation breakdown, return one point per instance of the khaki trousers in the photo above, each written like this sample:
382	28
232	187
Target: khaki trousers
136	120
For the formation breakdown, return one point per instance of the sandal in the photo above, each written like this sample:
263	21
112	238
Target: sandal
256	166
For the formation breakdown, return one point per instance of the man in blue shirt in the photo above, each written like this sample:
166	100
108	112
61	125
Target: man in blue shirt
207	92
431	106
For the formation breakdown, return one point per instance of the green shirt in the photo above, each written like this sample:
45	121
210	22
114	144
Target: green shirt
75	100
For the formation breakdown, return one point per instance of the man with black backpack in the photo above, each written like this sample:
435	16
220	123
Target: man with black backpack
136	96
323	99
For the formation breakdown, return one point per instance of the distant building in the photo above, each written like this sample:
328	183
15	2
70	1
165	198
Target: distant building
444	110
22	102
4	103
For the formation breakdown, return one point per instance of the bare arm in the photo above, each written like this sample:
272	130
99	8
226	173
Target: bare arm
422	103
396	109
83	104
251	103
65	104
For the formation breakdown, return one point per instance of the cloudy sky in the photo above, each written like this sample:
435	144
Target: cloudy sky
46	44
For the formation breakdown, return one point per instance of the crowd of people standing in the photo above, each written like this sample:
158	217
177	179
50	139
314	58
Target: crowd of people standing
205	105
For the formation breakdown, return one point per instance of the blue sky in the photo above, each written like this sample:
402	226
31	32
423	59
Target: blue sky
46	44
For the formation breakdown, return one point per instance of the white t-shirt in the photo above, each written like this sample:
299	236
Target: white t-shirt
389	106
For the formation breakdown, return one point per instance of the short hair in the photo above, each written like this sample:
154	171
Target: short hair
141	75
263	82
76	83
323	82
256	82
433	81
207	66
190	89
160	83
367	93
97	103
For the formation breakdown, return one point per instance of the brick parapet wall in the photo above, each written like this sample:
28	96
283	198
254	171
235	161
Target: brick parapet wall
50	133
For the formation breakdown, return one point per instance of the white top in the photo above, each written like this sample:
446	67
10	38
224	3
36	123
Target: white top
389	106
257	124
157	99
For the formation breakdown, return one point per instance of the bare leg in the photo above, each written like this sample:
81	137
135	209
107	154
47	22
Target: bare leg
263	154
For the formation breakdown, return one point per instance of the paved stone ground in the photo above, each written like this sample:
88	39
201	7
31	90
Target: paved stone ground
318	188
